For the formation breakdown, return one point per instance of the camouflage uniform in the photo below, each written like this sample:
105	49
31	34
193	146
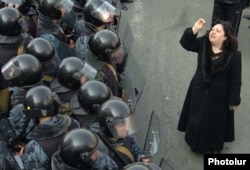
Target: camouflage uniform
34	157
17	125
44	141
6	153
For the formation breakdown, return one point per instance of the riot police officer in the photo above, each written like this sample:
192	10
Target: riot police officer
117	128
97	15
71	73
43	140
106	51
28	10
23	71
86	102
44	51
81	149
142	166
49	14
12	41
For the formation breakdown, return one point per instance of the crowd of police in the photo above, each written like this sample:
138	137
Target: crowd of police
64	103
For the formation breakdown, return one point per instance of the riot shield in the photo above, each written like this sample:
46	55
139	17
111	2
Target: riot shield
134	73
134	81
164	165
129	92
152	142
125	32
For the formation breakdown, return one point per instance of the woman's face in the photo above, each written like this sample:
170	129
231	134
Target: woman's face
217	35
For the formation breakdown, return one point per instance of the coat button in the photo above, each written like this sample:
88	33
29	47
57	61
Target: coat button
197	87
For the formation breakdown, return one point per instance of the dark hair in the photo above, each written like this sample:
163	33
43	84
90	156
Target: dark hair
229	46
231	43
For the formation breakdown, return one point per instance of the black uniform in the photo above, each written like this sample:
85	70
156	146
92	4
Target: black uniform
228	10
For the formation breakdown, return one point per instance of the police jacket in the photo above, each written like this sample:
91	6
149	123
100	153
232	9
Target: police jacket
11	46
45	25
121	151
84	28
106	73
50	134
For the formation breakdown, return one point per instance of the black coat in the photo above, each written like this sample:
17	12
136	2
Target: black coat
215	86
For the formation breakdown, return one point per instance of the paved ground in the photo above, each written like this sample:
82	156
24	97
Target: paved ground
156	27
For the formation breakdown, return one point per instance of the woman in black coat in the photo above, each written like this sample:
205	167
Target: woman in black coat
207	115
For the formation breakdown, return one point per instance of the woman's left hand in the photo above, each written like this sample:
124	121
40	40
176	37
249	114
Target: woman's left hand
233	108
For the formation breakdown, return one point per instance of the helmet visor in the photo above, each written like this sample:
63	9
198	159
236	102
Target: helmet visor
65	5
121	128
117	56
10	70
90	157
18	2
105	12
87	70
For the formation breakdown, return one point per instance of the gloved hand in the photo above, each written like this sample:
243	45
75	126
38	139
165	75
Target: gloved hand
18	96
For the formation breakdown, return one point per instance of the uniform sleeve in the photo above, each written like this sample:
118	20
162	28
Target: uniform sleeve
34	157
20	124
136	150
235	80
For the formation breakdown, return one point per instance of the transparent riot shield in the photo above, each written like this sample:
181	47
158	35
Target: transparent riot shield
152	142
125	32
164	165
134	82
129	91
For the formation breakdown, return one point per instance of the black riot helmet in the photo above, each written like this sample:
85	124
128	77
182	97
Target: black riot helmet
24	70
40	101
53	8
116	113
81	2
106	46
98	12
23	5
77	147
10	21
141	166
41	48
90	96
70	71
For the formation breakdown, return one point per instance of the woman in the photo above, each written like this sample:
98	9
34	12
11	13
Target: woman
207	115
